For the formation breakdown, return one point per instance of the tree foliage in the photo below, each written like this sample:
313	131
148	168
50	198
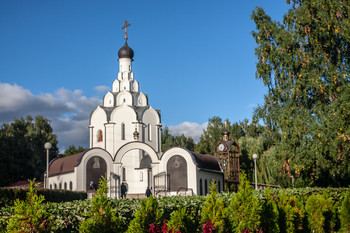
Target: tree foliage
73	150
148	213
22	154
269	213
30	215
304	63
181	221
213	210
216	126
102	216
244	209
169	141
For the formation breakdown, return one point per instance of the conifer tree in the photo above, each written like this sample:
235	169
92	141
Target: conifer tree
102	216
213	210
147	214
30	215
244	209
269	213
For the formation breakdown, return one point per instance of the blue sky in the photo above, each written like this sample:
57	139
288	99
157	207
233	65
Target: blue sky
194	59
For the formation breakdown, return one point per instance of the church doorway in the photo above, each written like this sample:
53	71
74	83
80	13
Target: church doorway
177	171
136	172
136	160
96	167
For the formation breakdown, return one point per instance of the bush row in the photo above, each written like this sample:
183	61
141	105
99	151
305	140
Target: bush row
300	210
9	195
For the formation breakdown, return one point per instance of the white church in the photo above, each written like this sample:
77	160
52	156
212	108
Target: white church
125	144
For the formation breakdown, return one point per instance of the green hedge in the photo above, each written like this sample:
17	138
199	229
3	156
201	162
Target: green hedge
294	208
9	195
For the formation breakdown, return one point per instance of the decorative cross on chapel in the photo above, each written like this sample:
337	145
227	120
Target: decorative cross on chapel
126	25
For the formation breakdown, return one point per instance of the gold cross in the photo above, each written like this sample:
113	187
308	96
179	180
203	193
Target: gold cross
126	25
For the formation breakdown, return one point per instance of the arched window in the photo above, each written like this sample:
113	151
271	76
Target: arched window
219	187
65	185
60	185
149	132
141	176
124	174
205	187
50	186
99	136
200	187
143	134
123	131
55	186
71	186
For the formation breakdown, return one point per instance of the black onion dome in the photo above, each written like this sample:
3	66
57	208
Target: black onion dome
126	52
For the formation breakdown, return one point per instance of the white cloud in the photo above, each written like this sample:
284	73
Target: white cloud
102	89
189	129
68	111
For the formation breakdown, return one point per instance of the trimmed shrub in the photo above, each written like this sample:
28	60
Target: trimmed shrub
345	213
9	195
213	210
290	213
103	217
244	210
181	221
147	214
30	215
269	213
320	213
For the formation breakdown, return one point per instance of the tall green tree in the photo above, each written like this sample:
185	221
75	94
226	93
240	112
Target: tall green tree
22	154
304	63
169	141
73	150
210	136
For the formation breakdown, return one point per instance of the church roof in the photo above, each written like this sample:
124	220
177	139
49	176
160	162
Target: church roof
207	162
126	52
64	164
138	109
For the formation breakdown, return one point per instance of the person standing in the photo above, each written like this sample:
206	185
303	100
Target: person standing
148	192
123	190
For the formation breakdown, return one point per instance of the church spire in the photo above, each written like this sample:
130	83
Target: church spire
126	25
126	51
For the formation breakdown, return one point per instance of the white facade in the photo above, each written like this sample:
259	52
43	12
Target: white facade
125	144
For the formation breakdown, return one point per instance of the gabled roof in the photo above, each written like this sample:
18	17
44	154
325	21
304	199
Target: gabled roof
207	162
64	165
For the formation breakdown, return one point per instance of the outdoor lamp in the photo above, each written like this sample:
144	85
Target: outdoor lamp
47	147
255	156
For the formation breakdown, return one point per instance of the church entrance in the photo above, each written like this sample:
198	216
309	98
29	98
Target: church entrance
136	160
96	167
136	172
177	171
